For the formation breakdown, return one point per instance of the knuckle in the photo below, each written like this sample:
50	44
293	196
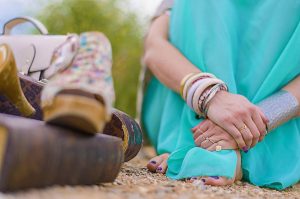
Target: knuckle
249	138
255	108
231	118
251	109
262	131
237	136
226	119
256	135
200	130
242	113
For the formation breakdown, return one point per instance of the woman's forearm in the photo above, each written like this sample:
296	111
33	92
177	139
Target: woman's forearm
294	88
162	58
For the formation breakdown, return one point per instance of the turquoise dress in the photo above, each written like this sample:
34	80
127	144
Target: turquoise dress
254	46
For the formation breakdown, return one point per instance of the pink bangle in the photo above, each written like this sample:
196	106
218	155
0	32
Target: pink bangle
192	90
193	78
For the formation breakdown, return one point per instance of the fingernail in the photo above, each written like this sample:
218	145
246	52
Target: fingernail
159	169
153	162
245	149
203	180
215	177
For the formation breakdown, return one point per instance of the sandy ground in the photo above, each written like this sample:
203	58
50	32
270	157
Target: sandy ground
134	182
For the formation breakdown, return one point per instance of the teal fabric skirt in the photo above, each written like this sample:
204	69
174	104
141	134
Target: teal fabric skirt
254	46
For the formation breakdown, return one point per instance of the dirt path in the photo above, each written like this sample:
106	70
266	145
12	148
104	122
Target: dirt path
135	182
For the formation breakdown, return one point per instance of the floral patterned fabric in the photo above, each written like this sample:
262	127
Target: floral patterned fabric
89	71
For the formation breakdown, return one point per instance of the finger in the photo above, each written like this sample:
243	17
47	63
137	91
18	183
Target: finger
237	136
206	134
197	134
252	134
213	147
207	143
223	145
201	137
263	116
262	136
203	126
266	122
199	140
211	142
198	125
258	120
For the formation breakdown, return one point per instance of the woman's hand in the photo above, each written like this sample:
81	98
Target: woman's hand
208	135
244	121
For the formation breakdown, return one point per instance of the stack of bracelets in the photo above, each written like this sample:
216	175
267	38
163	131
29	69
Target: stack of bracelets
198	89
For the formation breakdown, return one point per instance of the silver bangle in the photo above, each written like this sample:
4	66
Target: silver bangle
279	108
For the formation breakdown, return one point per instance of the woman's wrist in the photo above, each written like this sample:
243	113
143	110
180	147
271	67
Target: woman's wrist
198	89
279	108
215	100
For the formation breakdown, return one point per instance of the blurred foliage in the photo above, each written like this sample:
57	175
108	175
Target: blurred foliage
122	28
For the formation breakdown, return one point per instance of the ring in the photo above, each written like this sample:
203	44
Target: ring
218	148
243	128
210	140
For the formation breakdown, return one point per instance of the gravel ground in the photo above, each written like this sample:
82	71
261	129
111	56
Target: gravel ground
134	182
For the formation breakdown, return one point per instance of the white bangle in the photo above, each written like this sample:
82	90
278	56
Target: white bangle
191	91
189	82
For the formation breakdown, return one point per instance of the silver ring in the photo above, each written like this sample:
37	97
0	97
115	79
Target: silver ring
210	140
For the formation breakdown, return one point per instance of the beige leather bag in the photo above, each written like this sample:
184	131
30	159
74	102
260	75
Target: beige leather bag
32	53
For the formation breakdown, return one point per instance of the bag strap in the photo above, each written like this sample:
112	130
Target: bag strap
9	25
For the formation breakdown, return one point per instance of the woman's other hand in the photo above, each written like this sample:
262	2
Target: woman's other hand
208	135
244	121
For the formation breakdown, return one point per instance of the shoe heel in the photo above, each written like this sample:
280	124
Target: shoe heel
77	112
10	84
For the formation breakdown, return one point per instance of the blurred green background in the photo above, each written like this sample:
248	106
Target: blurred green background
122	28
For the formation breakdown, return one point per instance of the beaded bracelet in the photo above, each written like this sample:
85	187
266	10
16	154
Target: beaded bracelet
203	98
